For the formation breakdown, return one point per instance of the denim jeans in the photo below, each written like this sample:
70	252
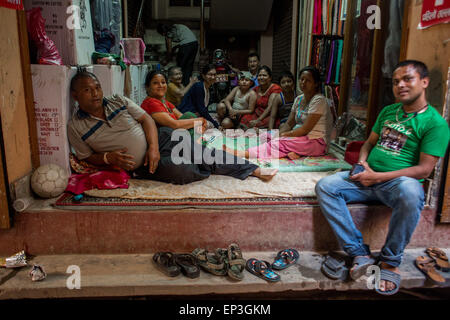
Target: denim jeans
404	195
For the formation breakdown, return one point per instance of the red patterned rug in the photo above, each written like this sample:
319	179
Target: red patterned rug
67	201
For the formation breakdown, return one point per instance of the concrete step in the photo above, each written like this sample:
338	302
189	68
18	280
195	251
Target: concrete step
132	275
43	230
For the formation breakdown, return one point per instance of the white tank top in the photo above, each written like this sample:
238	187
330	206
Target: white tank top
240	102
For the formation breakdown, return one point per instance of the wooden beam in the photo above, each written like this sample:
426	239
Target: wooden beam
375	66
445	215
405	29
347	56
5	222
28	87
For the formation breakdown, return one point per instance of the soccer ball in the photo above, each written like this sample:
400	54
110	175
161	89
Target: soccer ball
49	180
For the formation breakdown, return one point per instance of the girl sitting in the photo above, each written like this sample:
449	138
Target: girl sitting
282	104
240	101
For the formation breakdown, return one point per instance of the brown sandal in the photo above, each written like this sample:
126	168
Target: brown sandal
427	266
440	257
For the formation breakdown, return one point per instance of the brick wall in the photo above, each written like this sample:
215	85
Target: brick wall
282	33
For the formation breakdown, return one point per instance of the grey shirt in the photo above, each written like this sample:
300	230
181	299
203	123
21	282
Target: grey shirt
89	135
181	34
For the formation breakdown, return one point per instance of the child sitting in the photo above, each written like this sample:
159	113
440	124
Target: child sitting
241	100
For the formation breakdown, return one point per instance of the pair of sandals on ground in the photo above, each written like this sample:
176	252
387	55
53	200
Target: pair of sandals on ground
335	267
221	262
437	259
265	270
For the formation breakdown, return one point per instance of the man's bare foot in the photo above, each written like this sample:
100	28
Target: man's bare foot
387	285
293	156
265	174
237	153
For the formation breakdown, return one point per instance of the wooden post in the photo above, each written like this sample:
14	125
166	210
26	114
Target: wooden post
5	222
347	56
28	87
375	67
202	26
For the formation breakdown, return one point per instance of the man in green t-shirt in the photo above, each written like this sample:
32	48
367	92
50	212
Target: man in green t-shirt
403	148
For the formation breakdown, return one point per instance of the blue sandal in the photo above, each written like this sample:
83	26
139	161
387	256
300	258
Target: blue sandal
261	268
362	264
334	268
285	258
390	276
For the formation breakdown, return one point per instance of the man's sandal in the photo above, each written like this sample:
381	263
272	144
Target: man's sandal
210	262
188	265
236	263
334	268
360	265
395	278
165	261
427	266
262	270
285	258
440	257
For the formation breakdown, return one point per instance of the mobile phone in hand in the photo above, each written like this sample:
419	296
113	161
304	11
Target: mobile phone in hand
357	168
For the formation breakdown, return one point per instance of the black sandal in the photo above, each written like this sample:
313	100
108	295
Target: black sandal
165	261
188	265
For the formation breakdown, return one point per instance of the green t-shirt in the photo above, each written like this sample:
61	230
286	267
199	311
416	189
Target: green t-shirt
400	142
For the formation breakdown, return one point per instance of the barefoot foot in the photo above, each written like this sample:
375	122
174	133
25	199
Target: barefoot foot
293	156
265	174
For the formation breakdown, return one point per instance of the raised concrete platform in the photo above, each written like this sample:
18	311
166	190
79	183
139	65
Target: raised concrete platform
43	230
135	275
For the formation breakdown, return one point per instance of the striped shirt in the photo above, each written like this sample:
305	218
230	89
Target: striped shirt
88	134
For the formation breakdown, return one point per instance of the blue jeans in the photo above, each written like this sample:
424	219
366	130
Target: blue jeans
404	195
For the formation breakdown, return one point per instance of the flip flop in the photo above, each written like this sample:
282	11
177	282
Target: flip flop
236	262
427	266
362	263
261	269
334	268
390	276
285	258
188	265
165	262
440	257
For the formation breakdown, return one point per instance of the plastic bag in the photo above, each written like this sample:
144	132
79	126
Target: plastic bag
47	51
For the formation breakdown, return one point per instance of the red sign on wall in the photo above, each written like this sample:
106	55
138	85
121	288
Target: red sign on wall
12	4
434	12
